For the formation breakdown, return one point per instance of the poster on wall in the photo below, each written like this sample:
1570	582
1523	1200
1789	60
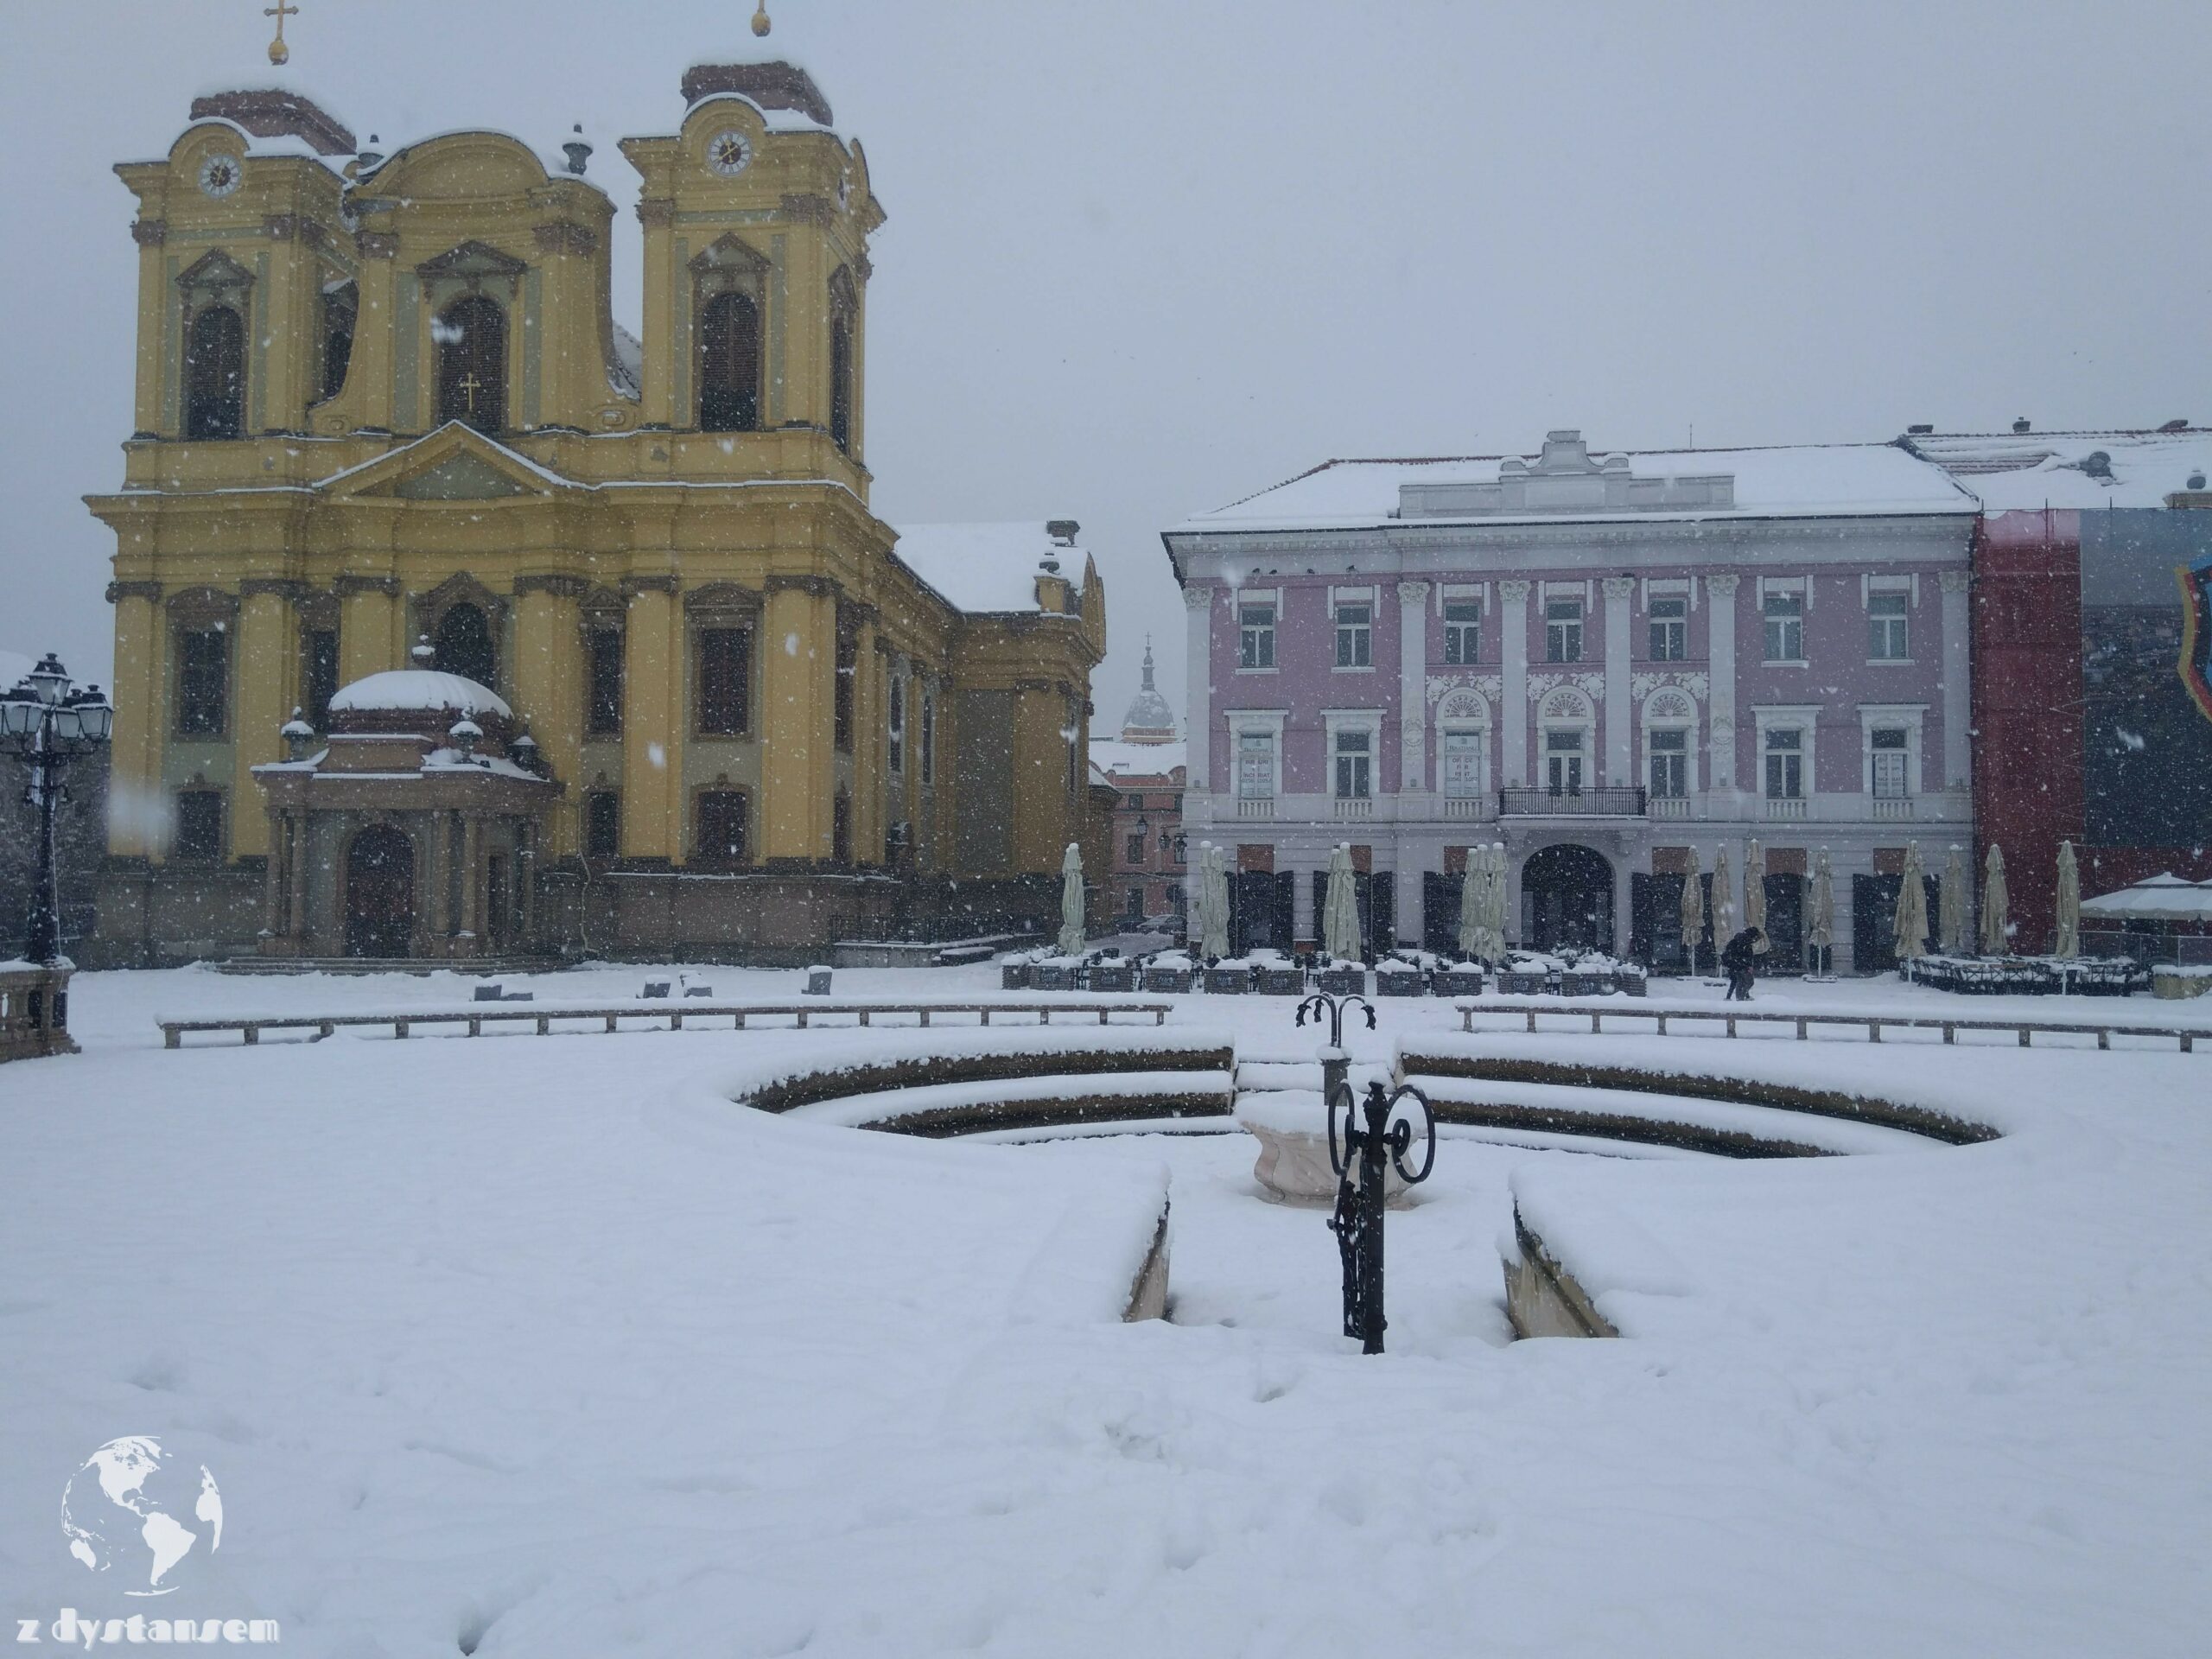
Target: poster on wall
2146	682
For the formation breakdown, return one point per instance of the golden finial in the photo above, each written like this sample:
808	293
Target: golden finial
760	17
279	53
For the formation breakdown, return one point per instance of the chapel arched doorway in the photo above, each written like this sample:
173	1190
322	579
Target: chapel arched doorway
1567	899
380	892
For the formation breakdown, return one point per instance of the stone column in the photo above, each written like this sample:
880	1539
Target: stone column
295	923
868	789
653	722
140	718
1720	654
1958	712
798	659
370	631
273	877
472	884
1513	715
1412	687
1198	696
267	670
549	683
1619	717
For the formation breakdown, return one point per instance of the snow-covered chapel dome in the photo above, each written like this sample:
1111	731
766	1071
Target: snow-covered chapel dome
418	690
1150	720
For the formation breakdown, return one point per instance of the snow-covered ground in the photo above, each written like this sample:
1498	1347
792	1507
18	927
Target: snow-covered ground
536	1346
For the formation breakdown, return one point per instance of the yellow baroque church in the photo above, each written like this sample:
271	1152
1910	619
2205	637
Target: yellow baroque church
453	622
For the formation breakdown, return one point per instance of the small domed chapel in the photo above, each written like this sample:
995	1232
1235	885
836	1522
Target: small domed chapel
454	621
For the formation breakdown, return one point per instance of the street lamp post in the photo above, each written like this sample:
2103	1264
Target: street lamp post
47	723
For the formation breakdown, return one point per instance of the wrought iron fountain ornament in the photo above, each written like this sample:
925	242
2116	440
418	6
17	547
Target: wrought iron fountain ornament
1357	1219
1321	1002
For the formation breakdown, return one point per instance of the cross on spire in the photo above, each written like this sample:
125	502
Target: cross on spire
278	51
470	385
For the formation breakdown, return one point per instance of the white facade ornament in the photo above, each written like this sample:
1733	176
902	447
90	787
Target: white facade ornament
1513	591
1466	703
1954	581
1721	584
1413	592
1642	685
1593	686
1565	703
1198	599
1619	587
1670	704
1540	683
1440	686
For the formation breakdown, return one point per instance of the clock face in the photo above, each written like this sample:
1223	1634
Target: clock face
728	153
220	175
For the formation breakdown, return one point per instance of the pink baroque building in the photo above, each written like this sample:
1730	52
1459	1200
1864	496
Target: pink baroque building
1145	766
1611	663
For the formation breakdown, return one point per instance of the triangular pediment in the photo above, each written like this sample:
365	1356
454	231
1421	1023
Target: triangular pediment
455	463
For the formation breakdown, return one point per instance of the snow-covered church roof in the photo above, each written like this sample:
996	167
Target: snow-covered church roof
988	569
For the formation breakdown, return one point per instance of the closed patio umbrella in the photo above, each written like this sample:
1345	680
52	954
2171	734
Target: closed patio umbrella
2069	942
1755	895
1340	908
1724	900
1473	901
1693	910
1996	906
1197	894
1494	903
1951	905
1909	926
1820	928
1072	928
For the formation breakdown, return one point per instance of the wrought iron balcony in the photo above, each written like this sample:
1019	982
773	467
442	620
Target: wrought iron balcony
1609	801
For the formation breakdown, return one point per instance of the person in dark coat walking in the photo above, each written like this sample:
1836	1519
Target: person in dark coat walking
1737	956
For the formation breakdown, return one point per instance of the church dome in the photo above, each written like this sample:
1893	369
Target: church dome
1150	720
418	690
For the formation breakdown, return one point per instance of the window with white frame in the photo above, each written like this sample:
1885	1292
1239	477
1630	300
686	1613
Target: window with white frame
1784	748
1670	627
1463	626
1888	623
1562	630
1462	754
1355	633
1255	635
1784	612
1891	758
1353	754
1667	753
1566	759
1255	765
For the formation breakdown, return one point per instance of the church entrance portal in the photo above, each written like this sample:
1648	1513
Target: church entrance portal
1567	899
379	893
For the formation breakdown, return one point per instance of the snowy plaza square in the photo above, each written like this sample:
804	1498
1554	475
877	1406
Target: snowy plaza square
541	1342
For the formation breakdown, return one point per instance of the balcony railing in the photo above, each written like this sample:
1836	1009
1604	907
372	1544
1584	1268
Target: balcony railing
1251	806
1355	806
1610	801
1892	807
1467	806
1783	806
1669	806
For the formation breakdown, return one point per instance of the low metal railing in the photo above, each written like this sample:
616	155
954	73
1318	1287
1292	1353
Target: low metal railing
1872	1024
673	1016
1604	801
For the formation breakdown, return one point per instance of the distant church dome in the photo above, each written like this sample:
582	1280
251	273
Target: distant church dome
1150	720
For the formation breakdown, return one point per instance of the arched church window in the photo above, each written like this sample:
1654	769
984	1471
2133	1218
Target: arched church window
464	645
214	375
338	314
729	363
472	340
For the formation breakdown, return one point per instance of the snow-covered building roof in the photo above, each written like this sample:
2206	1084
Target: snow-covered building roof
412	689
1118	760
986	569
2028	471
1568	482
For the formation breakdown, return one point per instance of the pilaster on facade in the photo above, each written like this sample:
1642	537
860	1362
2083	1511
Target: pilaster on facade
1957	702
1197	661
1619	716
1721	652
1513	714
1413	682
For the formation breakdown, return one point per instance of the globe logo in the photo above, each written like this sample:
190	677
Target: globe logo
134	1510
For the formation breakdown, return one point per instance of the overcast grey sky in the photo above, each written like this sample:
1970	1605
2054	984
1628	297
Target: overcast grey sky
1144	258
